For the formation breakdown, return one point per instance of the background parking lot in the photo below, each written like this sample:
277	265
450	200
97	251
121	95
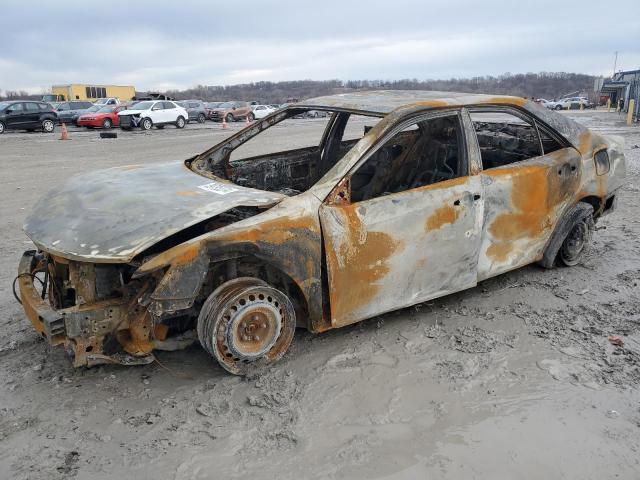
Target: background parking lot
515	378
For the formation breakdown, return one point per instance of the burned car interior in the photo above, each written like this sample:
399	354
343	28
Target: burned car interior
505	138
289	172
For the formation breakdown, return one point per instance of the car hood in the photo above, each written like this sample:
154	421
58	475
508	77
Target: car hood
113	215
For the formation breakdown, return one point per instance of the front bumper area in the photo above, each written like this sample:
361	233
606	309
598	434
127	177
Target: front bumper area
104	331
46	321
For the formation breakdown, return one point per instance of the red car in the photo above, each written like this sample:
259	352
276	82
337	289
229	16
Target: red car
106	117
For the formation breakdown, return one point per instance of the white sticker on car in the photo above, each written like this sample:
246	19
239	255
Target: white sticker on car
219	188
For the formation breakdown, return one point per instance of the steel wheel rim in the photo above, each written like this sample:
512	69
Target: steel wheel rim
47	126
219	325
1	127
575	243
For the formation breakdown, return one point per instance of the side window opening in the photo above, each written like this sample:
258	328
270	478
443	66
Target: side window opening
426	152
549	144
504	138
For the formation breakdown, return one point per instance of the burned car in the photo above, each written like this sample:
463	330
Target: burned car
404	197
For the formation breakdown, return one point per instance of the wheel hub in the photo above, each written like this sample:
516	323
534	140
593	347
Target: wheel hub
253	329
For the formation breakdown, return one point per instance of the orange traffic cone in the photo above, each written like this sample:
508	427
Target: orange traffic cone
224	122
65	134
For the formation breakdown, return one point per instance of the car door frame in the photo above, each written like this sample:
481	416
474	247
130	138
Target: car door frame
19	120
524	200
369	268
160	115
32	118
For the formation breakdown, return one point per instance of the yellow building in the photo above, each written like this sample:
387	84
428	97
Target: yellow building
92	92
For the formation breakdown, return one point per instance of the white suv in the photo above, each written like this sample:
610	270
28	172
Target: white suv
153	113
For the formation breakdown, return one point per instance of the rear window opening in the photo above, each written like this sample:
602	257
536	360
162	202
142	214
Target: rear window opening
505	138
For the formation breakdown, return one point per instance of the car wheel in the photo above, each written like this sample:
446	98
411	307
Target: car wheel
246	324
48	126
201	118
251	117
577	243
558	107
180	122
229	118
1	128
106	123
146	124
571	239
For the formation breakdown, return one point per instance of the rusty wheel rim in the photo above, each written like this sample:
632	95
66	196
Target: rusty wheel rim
575	244
248	307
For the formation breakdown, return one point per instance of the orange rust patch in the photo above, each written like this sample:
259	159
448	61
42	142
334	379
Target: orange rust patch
529	216
432	103
499	251
521	102
188	254
358	265
187	193
444	215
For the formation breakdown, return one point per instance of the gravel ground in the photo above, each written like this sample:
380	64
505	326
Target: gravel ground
515	378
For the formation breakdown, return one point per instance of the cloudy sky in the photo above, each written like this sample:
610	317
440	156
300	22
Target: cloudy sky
177	44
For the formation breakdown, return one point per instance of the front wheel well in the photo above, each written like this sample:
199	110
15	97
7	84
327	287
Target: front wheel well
251	266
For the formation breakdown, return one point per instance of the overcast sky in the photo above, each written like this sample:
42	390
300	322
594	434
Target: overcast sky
177	44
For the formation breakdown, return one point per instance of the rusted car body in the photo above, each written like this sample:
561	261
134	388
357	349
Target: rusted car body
425	202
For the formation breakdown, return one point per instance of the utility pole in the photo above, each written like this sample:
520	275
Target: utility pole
615	64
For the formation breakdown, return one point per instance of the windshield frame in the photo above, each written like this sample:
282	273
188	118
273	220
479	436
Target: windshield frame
150	104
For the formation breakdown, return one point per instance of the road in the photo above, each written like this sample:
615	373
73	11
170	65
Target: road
512	379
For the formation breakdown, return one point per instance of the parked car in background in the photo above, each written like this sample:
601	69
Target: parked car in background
105	117
572	103
26	115
316	114
107	101
232	112
196	109
209	106
275	105
150	113
544	102
261	111
68	112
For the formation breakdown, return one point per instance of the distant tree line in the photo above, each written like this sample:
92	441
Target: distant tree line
547	85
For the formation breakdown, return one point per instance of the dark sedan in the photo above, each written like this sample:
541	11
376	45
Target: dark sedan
68	112
25	115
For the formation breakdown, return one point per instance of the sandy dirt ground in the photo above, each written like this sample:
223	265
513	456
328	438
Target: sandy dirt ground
512	379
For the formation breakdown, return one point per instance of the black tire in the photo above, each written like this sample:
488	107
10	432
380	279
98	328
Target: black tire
180	122
146	124
230	118
48	126
2	128
246	324
107	123
201	118
571	240
558	107
251	117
